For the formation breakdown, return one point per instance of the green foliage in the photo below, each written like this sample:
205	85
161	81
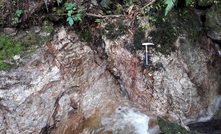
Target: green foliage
14	20
18	14
168	127
208	2
101	21
144	27
85	34
129	2
72	17
58	1
14	2
171	3
188	2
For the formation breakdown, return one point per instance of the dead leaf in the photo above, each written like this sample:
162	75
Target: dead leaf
51	122
59	108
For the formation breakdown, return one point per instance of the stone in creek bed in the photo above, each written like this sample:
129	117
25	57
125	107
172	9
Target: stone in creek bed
211	127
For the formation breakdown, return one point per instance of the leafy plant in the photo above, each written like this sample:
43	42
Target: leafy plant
144	27
171	3
101	21
14	2
58	1
18	14
72	17
14	20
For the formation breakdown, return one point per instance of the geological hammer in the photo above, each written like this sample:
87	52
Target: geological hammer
147	44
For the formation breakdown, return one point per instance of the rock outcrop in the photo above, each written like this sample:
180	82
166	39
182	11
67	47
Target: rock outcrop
66	81
213	23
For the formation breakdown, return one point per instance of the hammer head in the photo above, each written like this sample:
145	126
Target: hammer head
147	44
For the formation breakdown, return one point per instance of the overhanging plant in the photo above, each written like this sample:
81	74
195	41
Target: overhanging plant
73	14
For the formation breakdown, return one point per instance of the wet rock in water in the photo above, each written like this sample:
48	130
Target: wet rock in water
210	127
213	23
71	125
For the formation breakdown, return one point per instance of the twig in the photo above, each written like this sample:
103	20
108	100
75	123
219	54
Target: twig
73	12
105	16
148	4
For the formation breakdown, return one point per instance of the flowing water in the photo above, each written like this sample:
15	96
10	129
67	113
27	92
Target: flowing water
124	120
218	48
207	114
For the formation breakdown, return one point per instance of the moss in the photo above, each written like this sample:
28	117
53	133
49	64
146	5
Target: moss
28	43
113	30
212	13
55	13
47	30
119	9
109	30
168	127
7	51
138	37
9	48
85	35
164	36
168	28
48	27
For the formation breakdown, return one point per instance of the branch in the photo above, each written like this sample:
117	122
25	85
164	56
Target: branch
72	12
148	4
105	16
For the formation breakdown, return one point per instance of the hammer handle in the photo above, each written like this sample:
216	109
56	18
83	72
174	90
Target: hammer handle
146	58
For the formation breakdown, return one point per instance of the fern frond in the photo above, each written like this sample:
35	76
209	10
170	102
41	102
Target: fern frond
170	4
58	1
188	2
46	4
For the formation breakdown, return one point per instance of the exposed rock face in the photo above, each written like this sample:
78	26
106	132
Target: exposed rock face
28	93
213	23
180	85
173	86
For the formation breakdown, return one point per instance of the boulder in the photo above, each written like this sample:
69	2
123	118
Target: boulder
213	23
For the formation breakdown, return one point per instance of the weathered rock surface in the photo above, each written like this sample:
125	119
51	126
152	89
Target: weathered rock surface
181	85
28	93
174	86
